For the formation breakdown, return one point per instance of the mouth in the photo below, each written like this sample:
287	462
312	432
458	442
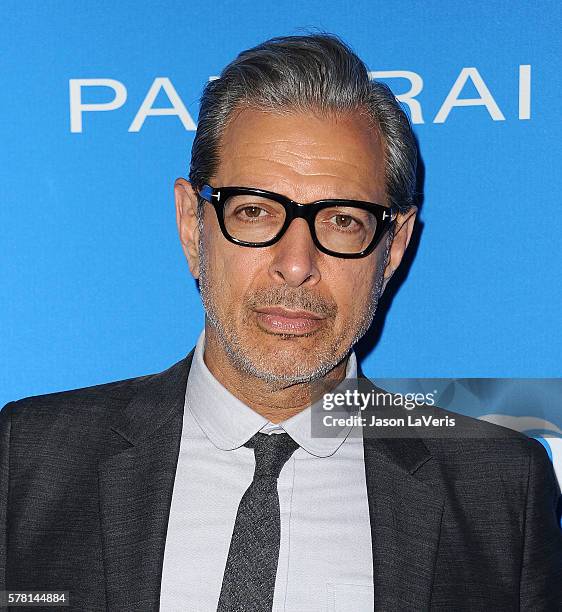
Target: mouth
278	320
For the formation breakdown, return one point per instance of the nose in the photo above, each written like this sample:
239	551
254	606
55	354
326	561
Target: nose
295	256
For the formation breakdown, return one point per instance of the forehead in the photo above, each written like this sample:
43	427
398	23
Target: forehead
303	155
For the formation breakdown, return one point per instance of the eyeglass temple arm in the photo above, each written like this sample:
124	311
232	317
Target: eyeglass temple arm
206	193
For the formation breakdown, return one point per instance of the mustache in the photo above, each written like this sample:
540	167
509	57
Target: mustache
292	298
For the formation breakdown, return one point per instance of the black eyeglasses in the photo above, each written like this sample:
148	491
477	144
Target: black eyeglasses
259	218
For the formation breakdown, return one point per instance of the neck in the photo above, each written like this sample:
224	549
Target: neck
275	401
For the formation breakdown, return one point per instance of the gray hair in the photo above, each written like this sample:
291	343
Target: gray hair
314	73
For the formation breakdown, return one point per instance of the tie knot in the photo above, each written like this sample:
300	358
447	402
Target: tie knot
271	451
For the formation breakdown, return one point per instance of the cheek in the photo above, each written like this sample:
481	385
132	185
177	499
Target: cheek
352	288
353	291
231	269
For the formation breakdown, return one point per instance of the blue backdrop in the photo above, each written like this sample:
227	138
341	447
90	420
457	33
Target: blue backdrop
95	287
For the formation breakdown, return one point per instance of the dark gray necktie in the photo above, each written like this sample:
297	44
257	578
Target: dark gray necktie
249	577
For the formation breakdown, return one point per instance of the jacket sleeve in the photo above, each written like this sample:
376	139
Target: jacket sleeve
541	570
5	425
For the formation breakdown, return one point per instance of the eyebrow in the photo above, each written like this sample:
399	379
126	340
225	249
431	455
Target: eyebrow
346	197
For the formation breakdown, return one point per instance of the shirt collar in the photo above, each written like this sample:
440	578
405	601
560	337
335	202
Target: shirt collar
229	423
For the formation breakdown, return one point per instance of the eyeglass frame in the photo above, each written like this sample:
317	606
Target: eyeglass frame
217	197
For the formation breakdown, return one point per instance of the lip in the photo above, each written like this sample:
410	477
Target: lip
278	320
288	314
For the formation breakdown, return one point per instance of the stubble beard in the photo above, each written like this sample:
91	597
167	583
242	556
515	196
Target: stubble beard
259	364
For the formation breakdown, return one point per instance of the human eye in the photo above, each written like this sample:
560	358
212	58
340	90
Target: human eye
343	221
251	211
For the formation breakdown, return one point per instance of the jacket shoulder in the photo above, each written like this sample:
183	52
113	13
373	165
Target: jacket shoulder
486	442
82	407
88	399
76	427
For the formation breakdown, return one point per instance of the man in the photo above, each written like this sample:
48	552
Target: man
202	487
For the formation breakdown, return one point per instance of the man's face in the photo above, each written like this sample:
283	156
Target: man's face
288	313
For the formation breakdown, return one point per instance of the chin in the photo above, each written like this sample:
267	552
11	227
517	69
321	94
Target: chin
288	362
285	376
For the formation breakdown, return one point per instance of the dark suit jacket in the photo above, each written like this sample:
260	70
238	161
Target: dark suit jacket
86	482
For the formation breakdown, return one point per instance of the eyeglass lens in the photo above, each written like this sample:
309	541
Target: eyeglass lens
342	229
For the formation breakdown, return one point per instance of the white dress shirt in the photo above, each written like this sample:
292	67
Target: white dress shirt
325	558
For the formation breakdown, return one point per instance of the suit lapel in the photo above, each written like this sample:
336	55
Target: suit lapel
135	488
405	514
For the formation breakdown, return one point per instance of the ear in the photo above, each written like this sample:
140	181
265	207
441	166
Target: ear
402	234
186	219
